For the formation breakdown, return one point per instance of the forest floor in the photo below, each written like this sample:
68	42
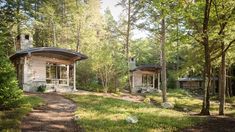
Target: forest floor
55	115
181	99
108	112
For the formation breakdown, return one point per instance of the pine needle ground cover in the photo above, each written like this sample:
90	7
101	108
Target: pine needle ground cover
11	119
98	113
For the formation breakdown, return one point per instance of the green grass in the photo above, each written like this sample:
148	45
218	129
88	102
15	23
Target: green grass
183	99
101	114
10	119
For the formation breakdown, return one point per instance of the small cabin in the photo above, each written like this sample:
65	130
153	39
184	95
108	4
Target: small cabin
52	67
144	78
191	83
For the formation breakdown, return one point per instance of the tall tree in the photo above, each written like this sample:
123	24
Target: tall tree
225	18
10	92
130	10
163	58
207	57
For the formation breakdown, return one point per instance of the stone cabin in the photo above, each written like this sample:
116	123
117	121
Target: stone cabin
145	78
50	66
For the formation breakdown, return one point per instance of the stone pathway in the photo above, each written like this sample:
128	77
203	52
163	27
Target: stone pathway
55	116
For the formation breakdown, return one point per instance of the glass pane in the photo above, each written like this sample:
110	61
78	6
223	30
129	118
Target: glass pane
63	72
144	79
53	72
150	80
58	72
48	71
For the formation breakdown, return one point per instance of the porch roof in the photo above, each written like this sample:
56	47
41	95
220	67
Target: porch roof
51	52
148	67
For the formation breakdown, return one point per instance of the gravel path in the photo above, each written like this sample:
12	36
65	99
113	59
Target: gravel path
55	116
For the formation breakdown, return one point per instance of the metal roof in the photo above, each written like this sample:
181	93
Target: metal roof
148	67
51	52
191	79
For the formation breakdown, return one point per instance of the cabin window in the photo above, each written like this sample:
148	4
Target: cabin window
147	80
56	73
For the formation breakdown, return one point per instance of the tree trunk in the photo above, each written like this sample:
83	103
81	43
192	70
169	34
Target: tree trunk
207	81
222	82
177	60
127	43
78	37
213	82
207	64
54	33
18	17
163	61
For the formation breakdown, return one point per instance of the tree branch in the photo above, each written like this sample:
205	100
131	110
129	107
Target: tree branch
229	45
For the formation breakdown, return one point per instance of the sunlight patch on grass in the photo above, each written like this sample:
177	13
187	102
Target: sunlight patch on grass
100	114
10	119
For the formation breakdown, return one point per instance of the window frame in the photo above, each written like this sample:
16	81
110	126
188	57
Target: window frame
57	78
147	80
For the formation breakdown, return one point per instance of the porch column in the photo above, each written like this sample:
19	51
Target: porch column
74	76
158	81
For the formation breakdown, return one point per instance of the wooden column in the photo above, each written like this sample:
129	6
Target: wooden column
158	81
74	76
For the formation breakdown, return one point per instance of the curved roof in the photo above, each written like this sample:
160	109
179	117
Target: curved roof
51	52
148	67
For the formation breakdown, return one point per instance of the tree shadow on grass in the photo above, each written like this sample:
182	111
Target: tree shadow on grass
147	122
97	114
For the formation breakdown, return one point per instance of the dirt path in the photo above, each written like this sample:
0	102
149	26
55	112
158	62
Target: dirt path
122	96
214	124
55	116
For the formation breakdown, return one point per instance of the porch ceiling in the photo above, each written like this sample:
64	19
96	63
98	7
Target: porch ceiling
51	52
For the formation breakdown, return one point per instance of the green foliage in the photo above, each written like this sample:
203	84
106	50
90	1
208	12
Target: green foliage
99	114
41	88
10	93
171	80
10	119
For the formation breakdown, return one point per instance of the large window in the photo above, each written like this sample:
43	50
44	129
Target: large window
56	73
147	80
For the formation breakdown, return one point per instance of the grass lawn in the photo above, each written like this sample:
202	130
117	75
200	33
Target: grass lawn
182	99
98	113
10	119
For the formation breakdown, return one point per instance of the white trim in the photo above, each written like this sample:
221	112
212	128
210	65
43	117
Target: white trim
74	76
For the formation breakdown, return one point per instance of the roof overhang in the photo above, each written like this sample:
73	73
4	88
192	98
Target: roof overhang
149	68
51	52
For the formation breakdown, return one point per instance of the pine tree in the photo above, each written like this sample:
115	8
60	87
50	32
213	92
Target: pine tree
9	90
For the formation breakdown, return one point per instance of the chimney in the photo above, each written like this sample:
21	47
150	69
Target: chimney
132	63
23	41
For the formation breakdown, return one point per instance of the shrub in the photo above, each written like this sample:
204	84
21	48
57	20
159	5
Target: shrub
10	93
41	88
